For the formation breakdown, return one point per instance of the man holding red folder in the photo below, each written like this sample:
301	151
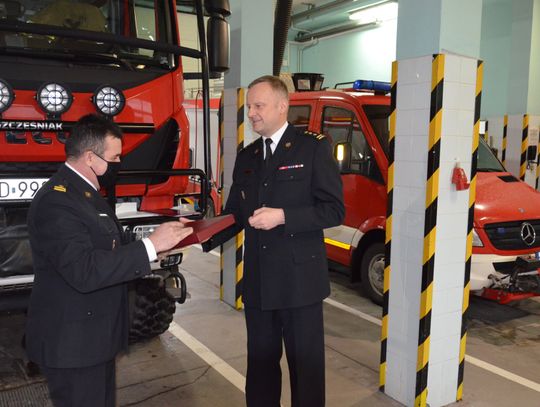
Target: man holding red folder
286	190
78	315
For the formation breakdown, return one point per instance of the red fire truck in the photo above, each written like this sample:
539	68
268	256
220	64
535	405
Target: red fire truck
194	110
62	59
507	211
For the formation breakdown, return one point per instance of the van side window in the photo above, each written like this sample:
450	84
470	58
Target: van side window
342	126
379	118
299	116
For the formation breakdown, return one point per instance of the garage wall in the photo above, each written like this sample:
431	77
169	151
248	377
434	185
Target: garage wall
189	37
368	54
533	101
495	52
364	54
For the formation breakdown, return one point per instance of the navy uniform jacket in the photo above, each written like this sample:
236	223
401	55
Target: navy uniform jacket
286	266
78	314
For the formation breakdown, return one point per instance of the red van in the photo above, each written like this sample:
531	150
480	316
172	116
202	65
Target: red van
507	211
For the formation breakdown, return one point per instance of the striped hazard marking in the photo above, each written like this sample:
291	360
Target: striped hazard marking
388	228
430	218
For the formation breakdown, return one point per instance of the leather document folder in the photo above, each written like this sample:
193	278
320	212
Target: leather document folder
204	229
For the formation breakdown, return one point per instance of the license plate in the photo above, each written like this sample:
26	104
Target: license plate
20	189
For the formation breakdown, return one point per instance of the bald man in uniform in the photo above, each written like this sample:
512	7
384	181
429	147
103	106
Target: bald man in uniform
286	190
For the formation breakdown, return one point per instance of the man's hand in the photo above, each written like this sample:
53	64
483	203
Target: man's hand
167	235
267	218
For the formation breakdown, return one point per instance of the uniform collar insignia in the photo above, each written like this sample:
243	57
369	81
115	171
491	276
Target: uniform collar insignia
288	144
60	188
87	194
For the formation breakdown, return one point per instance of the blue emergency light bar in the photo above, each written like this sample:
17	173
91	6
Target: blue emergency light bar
375	86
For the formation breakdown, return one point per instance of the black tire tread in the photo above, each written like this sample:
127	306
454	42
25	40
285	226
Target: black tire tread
371	251
152	309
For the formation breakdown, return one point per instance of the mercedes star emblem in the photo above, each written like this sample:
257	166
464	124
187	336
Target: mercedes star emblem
528	234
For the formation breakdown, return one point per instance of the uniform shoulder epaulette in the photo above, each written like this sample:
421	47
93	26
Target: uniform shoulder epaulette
60	188
250	145
317	136
59	185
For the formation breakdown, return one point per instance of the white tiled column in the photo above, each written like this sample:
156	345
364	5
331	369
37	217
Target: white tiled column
414	90
534	130
514	148
513	143
531	168
495	135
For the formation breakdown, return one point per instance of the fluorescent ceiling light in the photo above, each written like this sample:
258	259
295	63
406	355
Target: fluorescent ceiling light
371	14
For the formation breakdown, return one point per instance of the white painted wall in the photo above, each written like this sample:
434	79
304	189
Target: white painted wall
363	54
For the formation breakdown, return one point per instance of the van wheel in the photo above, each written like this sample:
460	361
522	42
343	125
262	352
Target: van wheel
151	309
372	272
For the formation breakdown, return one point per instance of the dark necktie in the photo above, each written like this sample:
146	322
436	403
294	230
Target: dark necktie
268	151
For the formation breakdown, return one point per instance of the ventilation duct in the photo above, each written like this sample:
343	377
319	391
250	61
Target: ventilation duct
282	21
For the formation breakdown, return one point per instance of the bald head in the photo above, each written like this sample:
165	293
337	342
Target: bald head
268	105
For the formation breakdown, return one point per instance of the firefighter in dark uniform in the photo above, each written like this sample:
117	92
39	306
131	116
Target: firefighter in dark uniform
78	314
286	190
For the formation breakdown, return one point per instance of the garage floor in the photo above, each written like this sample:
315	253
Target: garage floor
201	360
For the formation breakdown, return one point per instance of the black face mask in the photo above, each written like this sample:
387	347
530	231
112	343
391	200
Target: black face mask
108	179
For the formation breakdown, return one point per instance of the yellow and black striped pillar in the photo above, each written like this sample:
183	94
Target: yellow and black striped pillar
470	229
430	220
505	132
221	180
239	259
524	145
388	238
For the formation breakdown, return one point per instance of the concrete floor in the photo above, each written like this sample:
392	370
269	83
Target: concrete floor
201	360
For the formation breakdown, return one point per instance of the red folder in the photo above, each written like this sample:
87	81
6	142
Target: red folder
204	229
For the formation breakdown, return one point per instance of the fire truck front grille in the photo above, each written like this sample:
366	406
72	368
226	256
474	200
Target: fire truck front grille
514	235
29	167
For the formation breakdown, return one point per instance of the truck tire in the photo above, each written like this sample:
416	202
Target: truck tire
151	309
372	272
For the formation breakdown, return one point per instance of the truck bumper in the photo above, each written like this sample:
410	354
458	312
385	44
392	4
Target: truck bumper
489	283
482	268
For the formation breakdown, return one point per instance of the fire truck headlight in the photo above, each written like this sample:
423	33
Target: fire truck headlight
340	152
476	241
54	98
6	96
108	100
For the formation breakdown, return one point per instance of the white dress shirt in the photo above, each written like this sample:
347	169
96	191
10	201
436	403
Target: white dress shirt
275	138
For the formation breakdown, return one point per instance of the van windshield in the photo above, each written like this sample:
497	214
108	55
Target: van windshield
137	19
378	116
378	119
487	161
